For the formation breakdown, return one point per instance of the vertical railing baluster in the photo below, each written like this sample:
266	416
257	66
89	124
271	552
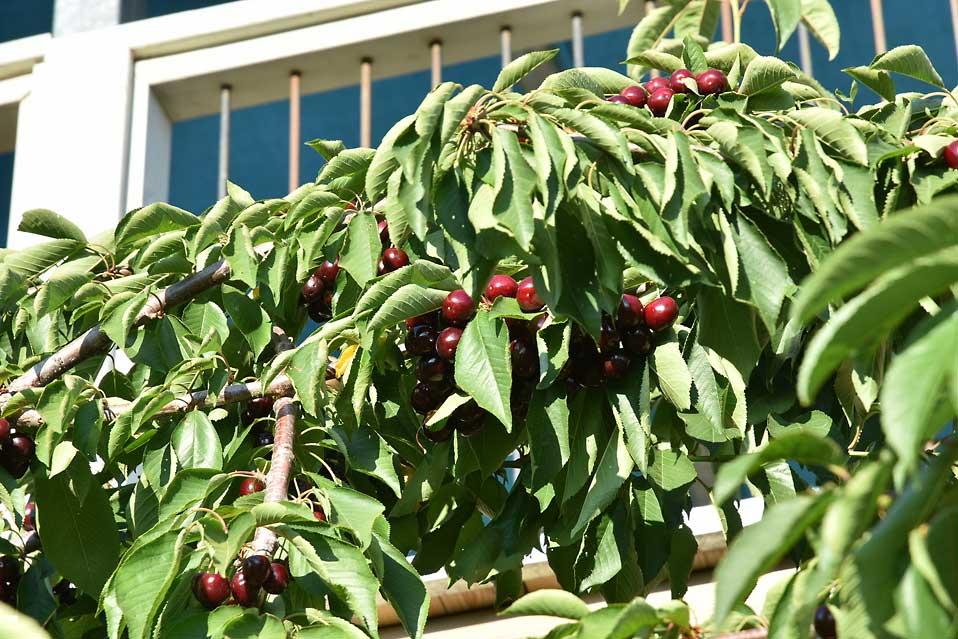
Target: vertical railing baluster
878	26
366	102
435	54
954	23
804	49
224	159
294	130
726	21
505	44
578	44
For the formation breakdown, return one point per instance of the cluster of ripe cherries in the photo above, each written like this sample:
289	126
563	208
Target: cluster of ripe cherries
317	292
16	450
658	92
256	574
10	566
622	340
436	348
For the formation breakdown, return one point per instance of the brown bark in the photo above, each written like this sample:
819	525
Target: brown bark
95	341
277	479
232	394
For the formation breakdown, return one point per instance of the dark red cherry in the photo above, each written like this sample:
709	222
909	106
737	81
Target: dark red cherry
251	485
448	343
319	311
468	419
278	578
8	592
384	231
423	398
655	84
458	308
587	366
328	271
528	298
421	340
629	314
258	408
263	438
825	623
429	319
432	369
318	513
211	589
616	365
635	95
660	100
951	155
501	286
712	82
20	445
608	336
617	99
394	258
675	82
637	341
65	592
661	313
30	517
437	436
256	569
9	568
313	289
525	359
4	429
245	593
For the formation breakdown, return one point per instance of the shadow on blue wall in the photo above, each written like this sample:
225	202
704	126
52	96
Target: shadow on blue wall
22	18
6	182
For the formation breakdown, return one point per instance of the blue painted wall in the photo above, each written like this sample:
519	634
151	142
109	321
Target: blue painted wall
21	18
6	178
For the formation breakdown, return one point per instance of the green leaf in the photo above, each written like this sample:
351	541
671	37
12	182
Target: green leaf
766	278
76	524
915	392
765	73
403	588
352	509
675	379
327	148
519	68
20	625
801	447
343	569
654	27
484	366
368	453
142	582
548	603
548	425
49	224
671	470
408	301
759	547
693	56
786	15
871	315
613	469
820	19
37	258
835	131
361	252
600	133
897	241
631	407
241	257
307	372
249	317
910	60
196	443
151	221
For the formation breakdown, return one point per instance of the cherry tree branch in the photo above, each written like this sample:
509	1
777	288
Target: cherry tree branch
96	341
232	394
277	479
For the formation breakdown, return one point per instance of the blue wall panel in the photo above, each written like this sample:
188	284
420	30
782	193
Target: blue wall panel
21	18
6	179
